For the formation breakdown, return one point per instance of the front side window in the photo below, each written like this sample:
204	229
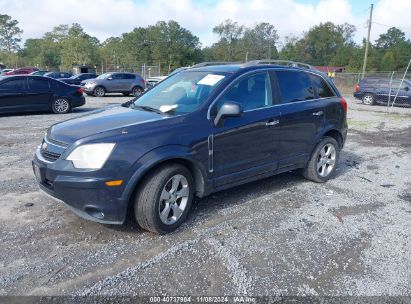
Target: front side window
294	86
117	76
181	93
252	92
323	90
12	85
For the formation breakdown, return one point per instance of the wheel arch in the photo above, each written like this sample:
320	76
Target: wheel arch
334	133
195	169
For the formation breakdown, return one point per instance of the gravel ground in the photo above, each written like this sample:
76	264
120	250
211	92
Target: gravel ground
279	236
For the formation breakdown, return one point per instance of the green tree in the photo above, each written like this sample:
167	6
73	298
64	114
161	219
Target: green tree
392	37
229	33
10	34
259	42
387	62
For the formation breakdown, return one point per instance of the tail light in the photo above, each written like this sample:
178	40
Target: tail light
79	91
357	88
344	104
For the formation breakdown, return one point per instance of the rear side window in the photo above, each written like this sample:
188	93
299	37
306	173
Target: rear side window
13	85
322	88
38	84
129	76
294	86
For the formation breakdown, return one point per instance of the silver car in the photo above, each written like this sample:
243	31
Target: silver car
115	82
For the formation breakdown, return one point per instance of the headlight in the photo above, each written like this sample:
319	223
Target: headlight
92	156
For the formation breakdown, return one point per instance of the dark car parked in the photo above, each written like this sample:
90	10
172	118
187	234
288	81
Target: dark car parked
373	90
78	78
38	93
195	133
58	75
39	73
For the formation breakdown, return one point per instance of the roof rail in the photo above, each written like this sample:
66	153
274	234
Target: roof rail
281	62
210	63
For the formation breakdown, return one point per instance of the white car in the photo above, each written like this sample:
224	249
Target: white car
152	81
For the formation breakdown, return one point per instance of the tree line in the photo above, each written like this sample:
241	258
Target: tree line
169	45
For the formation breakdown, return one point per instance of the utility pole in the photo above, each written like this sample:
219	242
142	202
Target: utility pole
364	66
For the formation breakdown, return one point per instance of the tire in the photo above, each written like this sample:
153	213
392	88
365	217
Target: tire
60	106
323	161
157	194
137	91
99	91
368	99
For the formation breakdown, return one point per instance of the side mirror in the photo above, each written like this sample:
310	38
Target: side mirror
228	109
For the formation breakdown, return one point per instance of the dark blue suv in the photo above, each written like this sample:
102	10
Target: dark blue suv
375	90
197	132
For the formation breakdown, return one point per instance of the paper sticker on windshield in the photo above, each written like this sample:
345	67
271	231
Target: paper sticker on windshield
210	79
167	108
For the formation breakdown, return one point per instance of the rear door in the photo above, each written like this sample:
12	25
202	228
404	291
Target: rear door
129	80
39	93
12	95
302	117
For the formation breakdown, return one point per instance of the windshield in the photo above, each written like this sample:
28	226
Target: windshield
181	93
104	76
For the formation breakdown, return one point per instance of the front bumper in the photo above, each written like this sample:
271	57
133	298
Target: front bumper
86	194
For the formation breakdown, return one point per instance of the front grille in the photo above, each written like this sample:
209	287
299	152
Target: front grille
56	142
50	156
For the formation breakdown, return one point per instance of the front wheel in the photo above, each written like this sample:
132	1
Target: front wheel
99	92
368	99
60	106
164	198
137	91
323	161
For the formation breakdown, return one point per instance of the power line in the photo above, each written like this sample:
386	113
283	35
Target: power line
400	27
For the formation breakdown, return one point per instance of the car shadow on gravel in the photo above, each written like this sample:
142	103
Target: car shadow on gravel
208	206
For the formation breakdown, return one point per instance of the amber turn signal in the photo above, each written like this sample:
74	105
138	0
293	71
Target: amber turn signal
114	183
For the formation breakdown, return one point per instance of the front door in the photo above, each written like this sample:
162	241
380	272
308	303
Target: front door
12	95
247	146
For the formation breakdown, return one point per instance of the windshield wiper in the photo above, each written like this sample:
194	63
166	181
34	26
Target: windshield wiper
147	108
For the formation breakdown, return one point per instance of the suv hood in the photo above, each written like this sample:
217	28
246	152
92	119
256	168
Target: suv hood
100	121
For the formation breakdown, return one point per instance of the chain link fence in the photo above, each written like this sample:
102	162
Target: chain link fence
346	82
145	70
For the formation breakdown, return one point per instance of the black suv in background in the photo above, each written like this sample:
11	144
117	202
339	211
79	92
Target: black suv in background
373	90
78	78
197	132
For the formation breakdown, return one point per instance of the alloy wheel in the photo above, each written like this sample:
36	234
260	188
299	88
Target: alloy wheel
173	199
61	105
326	160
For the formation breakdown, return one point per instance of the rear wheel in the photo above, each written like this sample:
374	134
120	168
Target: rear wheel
99	92
164	199
323	161
137	91
368	99
60	106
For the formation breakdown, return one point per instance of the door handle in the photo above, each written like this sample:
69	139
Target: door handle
319	113
272	123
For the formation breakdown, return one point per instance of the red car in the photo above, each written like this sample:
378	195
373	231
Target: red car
22	71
